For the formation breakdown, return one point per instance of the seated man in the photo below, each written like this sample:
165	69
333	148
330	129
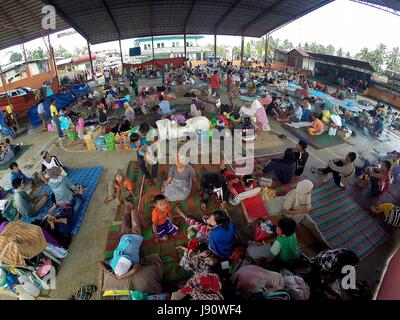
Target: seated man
274	108
49	162
301	155
284	168
165	107
342	170
25	204
380	178
214	183
317	127
17	173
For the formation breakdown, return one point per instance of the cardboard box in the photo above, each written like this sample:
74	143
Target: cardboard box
96	132
91	146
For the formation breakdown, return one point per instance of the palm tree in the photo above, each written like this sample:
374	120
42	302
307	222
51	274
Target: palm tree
379	56
330	49
348	54
364	55
393	60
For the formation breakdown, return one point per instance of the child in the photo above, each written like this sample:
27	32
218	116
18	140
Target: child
285	246
162	219
16	173
139	146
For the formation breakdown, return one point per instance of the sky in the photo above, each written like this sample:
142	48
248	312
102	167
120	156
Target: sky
342	23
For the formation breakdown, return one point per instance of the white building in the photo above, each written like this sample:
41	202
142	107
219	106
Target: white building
172	47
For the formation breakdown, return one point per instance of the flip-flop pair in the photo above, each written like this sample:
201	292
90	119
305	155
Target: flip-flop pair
84	293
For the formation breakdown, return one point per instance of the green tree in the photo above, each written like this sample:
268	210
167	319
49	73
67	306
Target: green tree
62	52
221	52
236	52
260	48
37	53
306	47
393	60
15	57
364	55
330	49
348	55
340	52
379	56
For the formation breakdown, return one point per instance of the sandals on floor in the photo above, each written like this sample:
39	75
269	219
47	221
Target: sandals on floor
84	293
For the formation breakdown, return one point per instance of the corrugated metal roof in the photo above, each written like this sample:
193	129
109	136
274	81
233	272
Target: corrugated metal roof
342	61
21	21
109	20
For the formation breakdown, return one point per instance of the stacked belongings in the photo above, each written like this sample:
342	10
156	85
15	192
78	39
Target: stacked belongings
26	259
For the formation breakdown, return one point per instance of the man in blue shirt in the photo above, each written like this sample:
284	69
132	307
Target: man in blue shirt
16	173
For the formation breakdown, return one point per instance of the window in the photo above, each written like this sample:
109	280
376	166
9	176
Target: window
162	45
158	45
187	44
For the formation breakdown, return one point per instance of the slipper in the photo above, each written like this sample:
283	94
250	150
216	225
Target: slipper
84	293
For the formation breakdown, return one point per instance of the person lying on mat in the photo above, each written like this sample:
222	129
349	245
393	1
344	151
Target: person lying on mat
48	162
296	204
214	183
380	178
342	170
66	195
285	248
26	205
317	127
284	168
327	266
162	219
301	155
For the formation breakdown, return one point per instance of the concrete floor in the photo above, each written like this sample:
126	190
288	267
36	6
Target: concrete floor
86	250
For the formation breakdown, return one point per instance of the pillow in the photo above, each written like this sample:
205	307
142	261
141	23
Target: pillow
147	279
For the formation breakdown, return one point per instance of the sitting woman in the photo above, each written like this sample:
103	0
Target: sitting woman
66	195
284	168
317	127
378	127
180	178
129	113
195	108
256	110
296	204
222	235
380	179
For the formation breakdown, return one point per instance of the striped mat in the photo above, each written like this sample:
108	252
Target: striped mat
343	223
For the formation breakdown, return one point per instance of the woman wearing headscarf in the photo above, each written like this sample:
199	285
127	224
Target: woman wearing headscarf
284	168
255	109
195	108
129	113
296	204
180	178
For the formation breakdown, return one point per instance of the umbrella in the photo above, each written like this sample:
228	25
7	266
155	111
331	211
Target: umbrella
20	241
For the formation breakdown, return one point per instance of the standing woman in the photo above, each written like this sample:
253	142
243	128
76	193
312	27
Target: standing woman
102	117
54	118
180	178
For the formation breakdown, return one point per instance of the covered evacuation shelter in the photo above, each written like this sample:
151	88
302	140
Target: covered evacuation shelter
100	21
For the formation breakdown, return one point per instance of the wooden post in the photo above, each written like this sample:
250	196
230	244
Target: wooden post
51	52
266	49
91	61
28	71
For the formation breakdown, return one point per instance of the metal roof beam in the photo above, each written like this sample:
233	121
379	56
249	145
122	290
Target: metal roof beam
261	15
226	14
112	18
188	15
67	19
